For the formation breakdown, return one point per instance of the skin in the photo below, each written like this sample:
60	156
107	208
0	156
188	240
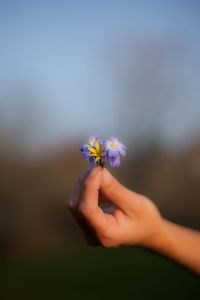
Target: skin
132	219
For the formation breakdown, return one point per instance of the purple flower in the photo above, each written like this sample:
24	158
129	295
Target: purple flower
86	151
115	161
102	152
93	151
114	148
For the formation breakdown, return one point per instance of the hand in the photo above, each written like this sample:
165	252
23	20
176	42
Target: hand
133	220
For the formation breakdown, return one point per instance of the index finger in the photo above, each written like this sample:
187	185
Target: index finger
88	205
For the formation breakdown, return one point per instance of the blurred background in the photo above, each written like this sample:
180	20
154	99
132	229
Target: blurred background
71	69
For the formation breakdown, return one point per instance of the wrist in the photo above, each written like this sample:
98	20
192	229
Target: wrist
163	241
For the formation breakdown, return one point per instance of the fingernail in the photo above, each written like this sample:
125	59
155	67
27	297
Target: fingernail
94	171
107	177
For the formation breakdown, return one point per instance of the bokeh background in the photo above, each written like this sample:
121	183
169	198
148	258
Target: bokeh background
71	69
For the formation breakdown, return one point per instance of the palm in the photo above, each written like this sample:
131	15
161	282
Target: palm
131	226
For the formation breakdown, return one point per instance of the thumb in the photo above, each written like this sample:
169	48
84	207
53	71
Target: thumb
115	192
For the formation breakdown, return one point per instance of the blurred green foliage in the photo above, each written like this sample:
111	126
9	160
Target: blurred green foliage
95	273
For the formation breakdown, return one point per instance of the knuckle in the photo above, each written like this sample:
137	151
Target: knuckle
86	211
105	234
83	209
70	204
107	239
108	243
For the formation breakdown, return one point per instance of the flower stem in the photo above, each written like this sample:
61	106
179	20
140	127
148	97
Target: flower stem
101	163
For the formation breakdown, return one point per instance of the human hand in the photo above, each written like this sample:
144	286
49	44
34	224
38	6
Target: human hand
133	220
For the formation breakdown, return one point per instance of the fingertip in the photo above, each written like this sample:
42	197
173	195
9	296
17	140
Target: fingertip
94	170
94	178
107	177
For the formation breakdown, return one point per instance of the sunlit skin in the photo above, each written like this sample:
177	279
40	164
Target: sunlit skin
132	219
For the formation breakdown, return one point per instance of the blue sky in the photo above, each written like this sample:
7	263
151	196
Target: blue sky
59	51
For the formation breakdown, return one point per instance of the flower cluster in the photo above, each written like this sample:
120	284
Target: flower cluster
102	152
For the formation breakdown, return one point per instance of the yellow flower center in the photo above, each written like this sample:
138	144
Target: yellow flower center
98	152
114	144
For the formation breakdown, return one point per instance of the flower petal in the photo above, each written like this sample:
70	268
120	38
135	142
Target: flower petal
103	153
112	153
97	146
122	151
115	162
91	161
92	149
97	159
103	146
